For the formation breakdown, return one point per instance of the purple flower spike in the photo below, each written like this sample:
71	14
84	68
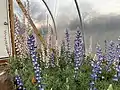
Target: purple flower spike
52	60
32	50
110	55
117	61
67	45
78	51
96	67
19	83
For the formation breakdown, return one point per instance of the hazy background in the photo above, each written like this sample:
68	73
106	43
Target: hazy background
101	18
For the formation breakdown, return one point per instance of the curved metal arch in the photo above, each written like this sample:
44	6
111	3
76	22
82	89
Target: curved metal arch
51	17
81	23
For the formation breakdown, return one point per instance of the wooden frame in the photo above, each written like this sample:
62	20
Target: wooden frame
11	20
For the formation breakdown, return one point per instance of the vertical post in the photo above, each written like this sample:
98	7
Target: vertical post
11	18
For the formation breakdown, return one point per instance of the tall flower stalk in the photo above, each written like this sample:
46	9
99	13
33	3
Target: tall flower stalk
19	83
52	60
49	44
67	36
117	62
37	69
100	58
78	51
110	55
19	44
93	75
96	67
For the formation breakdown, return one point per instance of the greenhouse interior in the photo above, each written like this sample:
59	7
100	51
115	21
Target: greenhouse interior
60	45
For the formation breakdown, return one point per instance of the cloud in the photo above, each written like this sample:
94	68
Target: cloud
38	13
37	10
101	27
104	23
101	23
68	15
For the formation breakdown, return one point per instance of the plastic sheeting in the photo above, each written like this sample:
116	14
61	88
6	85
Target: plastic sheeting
3	19
101	19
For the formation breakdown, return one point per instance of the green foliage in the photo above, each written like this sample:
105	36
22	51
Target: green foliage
25	70
61	77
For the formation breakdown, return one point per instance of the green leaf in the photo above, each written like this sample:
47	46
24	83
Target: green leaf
110	87
16	72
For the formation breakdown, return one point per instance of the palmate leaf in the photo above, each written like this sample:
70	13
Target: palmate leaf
110	87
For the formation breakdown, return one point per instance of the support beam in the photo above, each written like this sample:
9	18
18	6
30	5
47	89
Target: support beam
31	22
12	31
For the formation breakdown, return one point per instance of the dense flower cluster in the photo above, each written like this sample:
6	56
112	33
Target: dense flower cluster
78	51
20	46
100	57
111	55
49	45
96	67
52	60
37	69
93	75
67	45
117	62
19	83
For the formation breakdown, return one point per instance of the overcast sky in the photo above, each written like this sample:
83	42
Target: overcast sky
102	6
101	18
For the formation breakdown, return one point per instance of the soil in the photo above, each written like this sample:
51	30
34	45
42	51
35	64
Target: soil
6	82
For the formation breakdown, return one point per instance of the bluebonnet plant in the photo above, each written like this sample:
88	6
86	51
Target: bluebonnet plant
93	75
67	45
99	55
19	39
19	83
52	60
117	61
49	45
78	51
96	67
37	69
110	55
